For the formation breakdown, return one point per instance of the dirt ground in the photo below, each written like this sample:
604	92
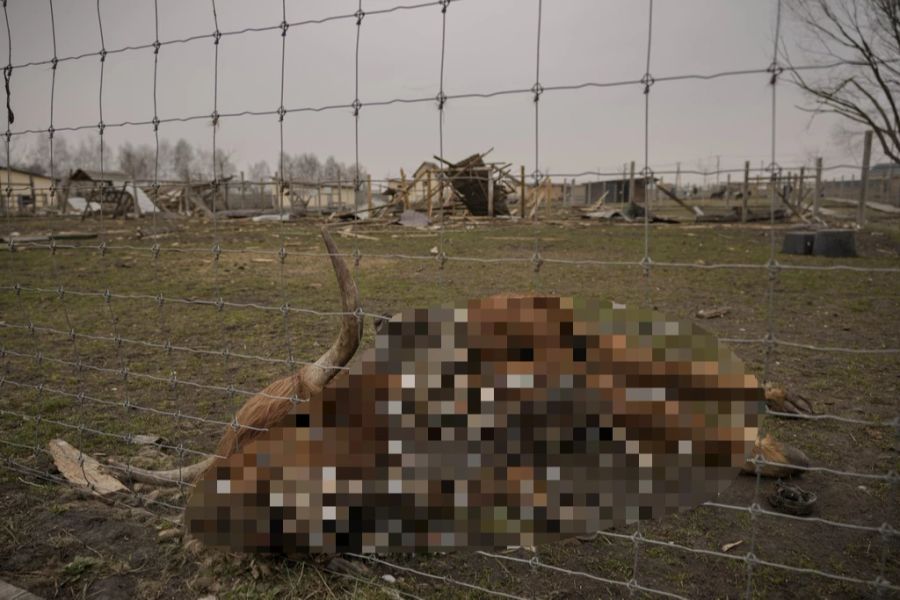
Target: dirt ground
57	543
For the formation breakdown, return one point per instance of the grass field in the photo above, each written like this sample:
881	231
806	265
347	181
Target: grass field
57	543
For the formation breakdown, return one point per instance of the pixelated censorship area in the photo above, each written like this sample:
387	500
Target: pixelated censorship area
509	422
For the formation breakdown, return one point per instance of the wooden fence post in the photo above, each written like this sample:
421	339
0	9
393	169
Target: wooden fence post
490	194
340	193
428	192
728	190
33	193
864	179
745	191
631	190
817	188
522	202
405	190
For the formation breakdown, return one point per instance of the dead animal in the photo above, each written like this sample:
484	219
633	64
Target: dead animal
505	421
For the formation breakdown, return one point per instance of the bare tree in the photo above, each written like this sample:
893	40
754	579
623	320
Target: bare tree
860	41
259	171
137	161
182	159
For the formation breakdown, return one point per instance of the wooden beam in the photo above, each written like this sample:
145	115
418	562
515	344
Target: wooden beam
745	191
522	193
405	190
631	190
864	179
428	193
490	195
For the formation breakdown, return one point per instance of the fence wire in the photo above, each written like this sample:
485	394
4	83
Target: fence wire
45	338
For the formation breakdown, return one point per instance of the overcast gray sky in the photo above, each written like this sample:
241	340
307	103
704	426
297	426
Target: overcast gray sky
490	46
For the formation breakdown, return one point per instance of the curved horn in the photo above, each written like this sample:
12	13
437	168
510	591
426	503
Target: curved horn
316	375
262	411
187	474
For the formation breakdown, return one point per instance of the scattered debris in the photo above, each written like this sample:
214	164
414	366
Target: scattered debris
628	213
276	218
389	578
82	470
480	186
412	218
608	214
879	206
82	205
348	232
713	313
694	210
18	238
735	216
168	534
146	440
596	205
792	500
731	546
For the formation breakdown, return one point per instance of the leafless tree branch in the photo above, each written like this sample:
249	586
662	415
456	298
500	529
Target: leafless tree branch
864	36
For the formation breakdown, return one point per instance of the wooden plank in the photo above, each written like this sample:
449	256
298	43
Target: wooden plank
671	194
197	202
82	470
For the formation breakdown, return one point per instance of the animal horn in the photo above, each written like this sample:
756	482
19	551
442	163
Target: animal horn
187	474
263	411
319	373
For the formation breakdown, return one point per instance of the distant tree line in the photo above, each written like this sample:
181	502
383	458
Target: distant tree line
179	161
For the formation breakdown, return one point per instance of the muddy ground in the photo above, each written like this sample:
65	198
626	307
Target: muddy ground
58	543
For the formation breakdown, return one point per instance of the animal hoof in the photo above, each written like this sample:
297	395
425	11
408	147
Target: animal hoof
781	460
778	400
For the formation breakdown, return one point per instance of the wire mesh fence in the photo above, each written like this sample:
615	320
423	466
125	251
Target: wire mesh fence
98	357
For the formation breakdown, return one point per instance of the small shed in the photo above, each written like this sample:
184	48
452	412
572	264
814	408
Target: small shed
616	190
24	191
